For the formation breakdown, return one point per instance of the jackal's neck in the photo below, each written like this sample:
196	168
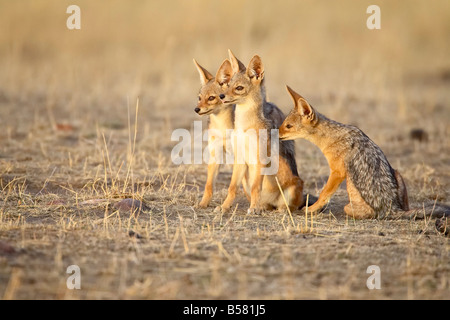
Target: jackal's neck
252	108
326	132
222	120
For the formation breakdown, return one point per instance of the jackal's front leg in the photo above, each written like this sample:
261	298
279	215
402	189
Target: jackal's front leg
256	188
334	180
236	179
213	170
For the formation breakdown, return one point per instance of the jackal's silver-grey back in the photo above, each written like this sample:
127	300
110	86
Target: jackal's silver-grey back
371	172
366	167
275	116
375	189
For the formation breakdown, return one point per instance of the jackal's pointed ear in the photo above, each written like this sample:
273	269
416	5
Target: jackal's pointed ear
301	105
235	63
224	73
205	76
255	68
305	109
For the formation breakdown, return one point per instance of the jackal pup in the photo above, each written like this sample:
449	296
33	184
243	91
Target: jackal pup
221	119
374	188
246	89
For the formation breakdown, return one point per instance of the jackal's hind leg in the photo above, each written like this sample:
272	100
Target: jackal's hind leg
357	208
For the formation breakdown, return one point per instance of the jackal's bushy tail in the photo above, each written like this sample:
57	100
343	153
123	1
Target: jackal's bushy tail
432	210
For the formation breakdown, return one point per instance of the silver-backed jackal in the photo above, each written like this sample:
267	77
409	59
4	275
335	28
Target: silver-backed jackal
221	119
374	188
246	89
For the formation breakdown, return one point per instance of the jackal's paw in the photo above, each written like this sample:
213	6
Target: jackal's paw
220	209
202	205
313	209
253	211
283	210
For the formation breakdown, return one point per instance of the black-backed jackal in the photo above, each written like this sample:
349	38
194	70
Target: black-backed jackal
247	91
374	188
221	119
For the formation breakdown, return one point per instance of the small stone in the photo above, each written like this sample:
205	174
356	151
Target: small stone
6	248
133	234
130	205
419	135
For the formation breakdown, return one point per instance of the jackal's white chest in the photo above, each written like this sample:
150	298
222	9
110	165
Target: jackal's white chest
219	137
247	116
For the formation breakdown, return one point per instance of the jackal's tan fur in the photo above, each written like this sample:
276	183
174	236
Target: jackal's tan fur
374	188
246	90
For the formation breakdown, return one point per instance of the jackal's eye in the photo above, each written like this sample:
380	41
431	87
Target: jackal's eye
199	98
239	88
211	98
288	126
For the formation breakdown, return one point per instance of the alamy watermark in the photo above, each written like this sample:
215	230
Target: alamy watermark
229	147
374	20
74	280
74	20
374	281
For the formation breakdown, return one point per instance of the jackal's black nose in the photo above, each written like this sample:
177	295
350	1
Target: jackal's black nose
197	110
222	96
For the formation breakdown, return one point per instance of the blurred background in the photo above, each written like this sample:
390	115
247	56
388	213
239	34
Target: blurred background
395	78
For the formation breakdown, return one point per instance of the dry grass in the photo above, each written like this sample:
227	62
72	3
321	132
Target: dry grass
87	117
